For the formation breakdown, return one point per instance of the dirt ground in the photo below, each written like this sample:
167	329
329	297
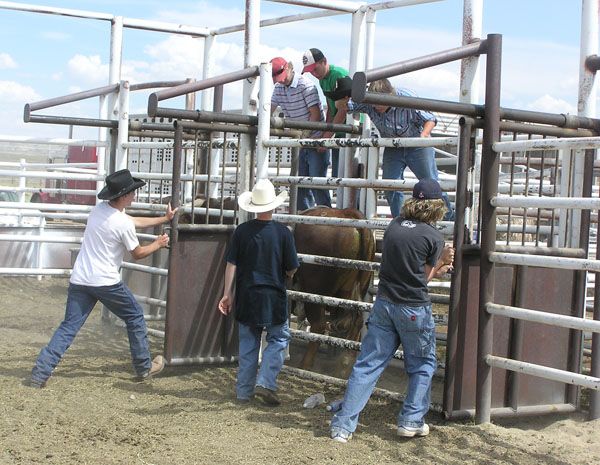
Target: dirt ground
92	412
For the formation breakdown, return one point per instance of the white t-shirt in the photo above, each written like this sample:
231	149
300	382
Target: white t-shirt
108	234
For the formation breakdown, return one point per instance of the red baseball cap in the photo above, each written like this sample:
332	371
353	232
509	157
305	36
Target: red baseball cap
278	65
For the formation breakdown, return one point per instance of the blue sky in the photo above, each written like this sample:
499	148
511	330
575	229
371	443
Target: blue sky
43	56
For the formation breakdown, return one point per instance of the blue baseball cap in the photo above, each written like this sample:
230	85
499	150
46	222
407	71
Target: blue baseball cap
427	189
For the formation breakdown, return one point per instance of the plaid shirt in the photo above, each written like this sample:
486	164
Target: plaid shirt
395	122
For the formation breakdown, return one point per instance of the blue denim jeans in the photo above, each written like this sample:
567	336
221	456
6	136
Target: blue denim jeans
249	376
80	302
314	164
421	161
388	325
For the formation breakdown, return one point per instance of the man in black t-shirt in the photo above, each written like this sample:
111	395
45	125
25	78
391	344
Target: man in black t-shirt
261	255
413	253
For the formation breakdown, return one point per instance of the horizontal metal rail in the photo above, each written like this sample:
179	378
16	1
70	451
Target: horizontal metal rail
361	78
145	268
473	110
380	184
508	412
104	90
132	23
536	250
443	226
378	392
574	143
564	263
563	321
155	332
36	271
330	301
50	166
49	239
541	371
154	98
365	142
339	262
176	361
73	121
46	206
516	201
149	300
51	175
53	141
51	190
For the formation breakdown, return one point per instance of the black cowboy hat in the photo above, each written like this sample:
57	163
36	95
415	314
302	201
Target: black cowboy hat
119	183
343	88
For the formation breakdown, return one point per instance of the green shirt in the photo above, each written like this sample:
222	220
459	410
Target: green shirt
328	83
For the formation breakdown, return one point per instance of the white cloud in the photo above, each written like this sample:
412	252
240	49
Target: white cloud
6	61
89	69
13	92
549	104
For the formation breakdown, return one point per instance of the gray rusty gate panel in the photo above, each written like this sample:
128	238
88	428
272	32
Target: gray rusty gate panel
195	331
544	289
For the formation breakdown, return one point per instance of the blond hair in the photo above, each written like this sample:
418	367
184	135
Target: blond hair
382	86
425	211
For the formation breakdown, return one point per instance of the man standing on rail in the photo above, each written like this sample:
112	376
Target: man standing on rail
397	122
95	277
299	99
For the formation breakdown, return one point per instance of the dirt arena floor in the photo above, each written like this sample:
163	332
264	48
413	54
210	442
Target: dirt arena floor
92	412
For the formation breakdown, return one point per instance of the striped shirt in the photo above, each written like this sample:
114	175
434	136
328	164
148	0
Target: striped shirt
395	122
297	98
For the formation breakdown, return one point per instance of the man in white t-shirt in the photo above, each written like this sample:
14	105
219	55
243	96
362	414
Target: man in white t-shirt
96	277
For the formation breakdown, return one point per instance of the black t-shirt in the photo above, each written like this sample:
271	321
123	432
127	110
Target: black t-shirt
407	246
262	252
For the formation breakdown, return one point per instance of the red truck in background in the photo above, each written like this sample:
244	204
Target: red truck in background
75	154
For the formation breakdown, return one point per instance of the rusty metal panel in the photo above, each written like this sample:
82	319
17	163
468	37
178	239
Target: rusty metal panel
194	328
549	290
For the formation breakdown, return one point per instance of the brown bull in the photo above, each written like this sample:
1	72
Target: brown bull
340	242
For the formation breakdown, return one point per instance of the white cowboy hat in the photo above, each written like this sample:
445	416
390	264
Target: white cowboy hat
262	198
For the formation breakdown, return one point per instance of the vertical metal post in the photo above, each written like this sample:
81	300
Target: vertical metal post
595	364
215	154
586	106
107	107
465	147
370	195
295	155
469	67
207	68
586	103
190	154
346	159
516	338
247	141
489	189
264	121
175	194
469	83
107	102
123	131
580	282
